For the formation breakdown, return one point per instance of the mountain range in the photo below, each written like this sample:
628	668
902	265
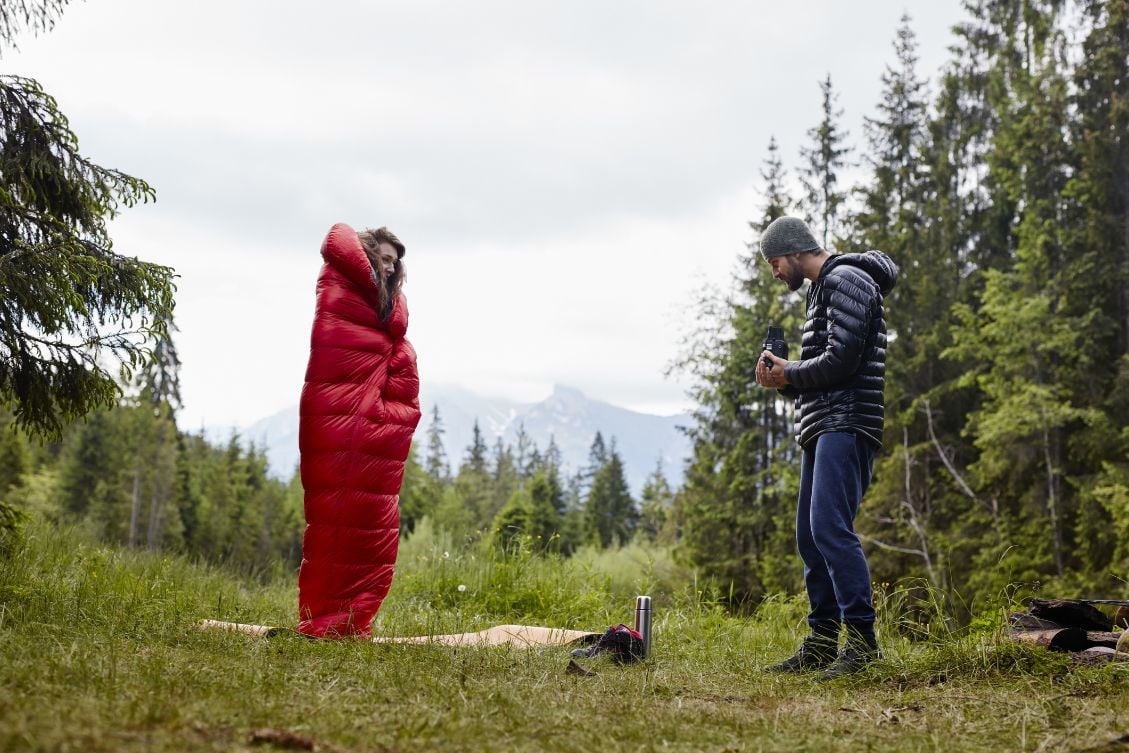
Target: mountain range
567	415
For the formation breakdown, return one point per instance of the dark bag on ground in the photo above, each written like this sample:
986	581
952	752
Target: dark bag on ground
619	642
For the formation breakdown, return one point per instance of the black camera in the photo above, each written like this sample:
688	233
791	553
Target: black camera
774	343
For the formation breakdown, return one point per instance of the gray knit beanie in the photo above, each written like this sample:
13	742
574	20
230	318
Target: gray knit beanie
787	235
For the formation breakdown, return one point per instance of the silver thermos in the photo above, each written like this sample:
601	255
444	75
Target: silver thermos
643	622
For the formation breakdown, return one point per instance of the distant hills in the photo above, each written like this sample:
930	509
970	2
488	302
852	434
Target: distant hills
567	415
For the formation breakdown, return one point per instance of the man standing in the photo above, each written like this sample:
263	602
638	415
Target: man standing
837	385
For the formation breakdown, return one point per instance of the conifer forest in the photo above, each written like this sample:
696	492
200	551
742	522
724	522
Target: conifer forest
999	185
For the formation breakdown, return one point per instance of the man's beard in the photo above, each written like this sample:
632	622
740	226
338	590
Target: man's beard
792	275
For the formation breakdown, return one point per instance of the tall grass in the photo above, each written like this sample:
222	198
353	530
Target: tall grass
481	583
99	651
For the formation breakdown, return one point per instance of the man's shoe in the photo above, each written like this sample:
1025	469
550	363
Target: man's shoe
854	657
814	653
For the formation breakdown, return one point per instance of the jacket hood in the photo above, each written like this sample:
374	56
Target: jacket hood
878	265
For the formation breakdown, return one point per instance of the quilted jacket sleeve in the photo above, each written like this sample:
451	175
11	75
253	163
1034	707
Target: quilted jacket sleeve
850	297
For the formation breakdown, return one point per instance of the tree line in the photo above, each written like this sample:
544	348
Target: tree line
519	491
1002	194
130	477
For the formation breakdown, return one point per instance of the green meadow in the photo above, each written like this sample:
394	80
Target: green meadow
100	651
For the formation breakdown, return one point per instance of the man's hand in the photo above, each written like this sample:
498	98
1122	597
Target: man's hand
771	377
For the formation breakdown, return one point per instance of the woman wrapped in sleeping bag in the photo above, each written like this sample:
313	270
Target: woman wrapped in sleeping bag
359	409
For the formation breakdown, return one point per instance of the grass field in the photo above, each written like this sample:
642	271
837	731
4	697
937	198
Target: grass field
99	651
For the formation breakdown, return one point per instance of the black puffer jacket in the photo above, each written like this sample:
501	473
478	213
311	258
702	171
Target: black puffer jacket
839	380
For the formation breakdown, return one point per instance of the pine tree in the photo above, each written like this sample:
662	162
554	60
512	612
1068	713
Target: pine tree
735	506
211	527
416	493
228	511
573	534
544	521
476	453
240	516
289	536
157	451
609	511
525	454
777	202
1021	339
96	475
552	457
467	509
15	461
35	15
15	465
551	467
156	434
1099	187
436	463
504	479
893	201
69	305
823	201
424	488
655	509
1097	281
529	516
548	465
898	215
597	458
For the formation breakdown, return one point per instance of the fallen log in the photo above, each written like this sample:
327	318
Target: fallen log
1071	625
1062	639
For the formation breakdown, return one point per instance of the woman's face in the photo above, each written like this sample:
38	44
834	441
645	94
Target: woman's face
385	260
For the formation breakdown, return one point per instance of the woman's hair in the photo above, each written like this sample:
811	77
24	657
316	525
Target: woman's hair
370	241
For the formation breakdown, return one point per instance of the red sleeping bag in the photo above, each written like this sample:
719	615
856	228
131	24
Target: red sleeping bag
359	409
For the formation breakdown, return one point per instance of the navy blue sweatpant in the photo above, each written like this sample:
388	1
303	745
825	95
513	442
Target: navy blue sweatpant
835	473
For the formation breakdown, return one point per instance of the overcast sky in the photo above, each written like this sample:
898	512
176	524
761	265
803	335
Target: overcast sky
565	175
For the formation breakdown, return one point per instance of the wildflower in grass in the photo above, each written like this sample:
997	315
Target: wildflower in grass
461	588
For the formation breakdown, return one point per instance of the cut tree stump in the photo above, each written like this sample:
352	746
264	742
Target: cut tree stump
1121	617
